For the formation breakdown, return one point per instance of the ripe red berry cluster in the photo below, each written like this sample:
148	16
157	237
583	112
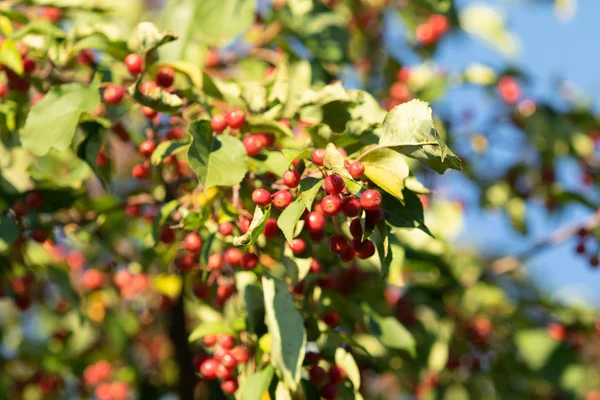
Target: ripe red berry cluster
223	365
327	381
234	118
585	241
432	30
399	91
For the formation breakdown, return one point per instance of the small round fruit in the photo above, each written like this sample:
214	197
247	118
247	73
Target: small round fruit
356	228
331	204
224	292
3	90
165	77
317	375
315	266
315	222
233	256
439	24
235	118
370	200
282	199
149	112
20	209
348	254
113	94
215	261
208	368
226	228
218	123
334	184
147	147
331	318
291	178
425	34
317	156
298	246
241	354
134	63
267	139
338	243
224	373
226	341
271	228
253	145
140	171
229	360
249	261
193	242
261	197
166	235
201	291
244	224
356	170
148	86
336	374
367	249
34	200
351	207
229	386
85	57
209	340
373	218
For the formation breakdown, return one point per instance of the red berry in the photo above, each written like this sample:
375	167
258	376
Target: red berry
229	386
165	77
271	228
312	358
147	147
580	249
249	261
373	218
336	374
229	360
39	235
113	94
224	373
317	156
315	222
209	340
241	354
92	279
351	207
315	266
235	118
439	24
261	197
34	200
134	63
186	262
316	236
331	318
348	254
148	87
365	250
3	90
85	57
244	224
166	235
338	243
334	184
149	112
224	292
141	171
370	200
101	158
317	375
425	34
208	368
267	139
28	65
291	178
201	291
356	170
218	123
226	228
331	205
282	199
226	341
509	89
253	145
193	242
233	256
211	58
298	246
594	261
356	228
215	261
20	209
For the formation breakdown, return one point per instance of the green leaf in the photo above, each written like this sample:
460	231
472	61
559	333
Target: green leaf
262	124
257	226
281	87
63	168
387	169
168	148
300	74
309	188
286	329
227	91
147	37
289	218
409	129
9	232
255	96
438	356
257	384
180	16
206	248
292	154
162	216
407	215
344	359
214	25
296	268
391	332
60	277
300	7
536	347
218	161
99	41
209	328
157	99
90	147
52	121
384	248
272	161
10	56
38	26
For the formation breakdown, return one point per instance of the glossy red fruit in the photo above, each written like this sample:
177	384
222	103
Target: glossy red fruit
166	235
253	145
134	63
356	228
34	201
224	373
425	34
235	118
267	139
317	375
331	318
20	209
229	386
101	159
3	90
261	197
298	246
186	262
291	178
338	243
229	360
148	112
208	368
165	77
226	228
356	170
233	256
201	291
249	261
271	228
367	249
85	57
244	224
282	199
334	184
148	86
147	147
315	222
218	123
331	204
351	207
113	94
224	292
348	254
28	65
370	200
439	24
315	266
241	354
226	341
215	261
209	340
193	242
140	171
92	279
336	374
317	156
509	89
39	235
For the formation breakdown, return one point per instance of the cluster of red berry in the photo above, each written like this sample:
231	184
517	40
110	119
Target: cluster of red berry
585	239
432	30
98	376
327	381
